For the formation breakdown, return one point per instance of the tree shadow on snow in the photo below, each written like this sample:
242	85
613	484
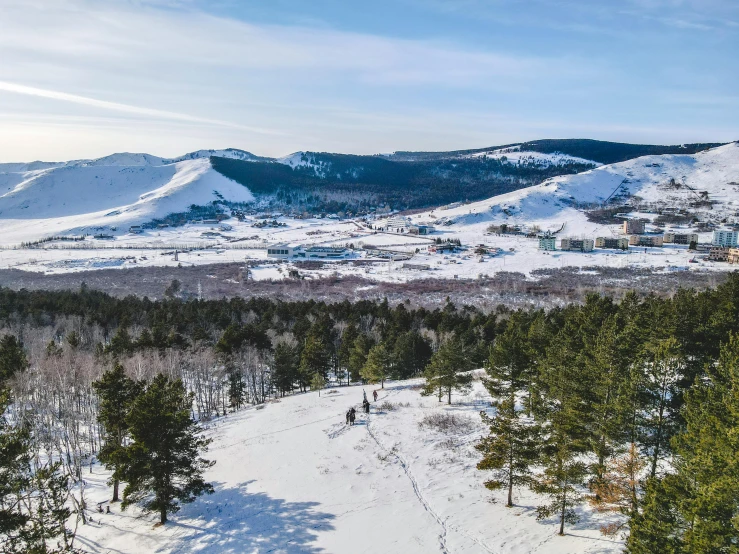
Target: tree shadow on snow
232	520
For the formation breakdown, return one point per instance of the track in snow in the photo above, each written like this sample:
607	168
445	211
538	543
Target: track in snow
414	484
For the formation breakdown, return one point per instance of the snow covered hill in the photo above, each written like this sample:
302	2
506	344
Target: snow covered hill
39	200
518	154
702	186
293	478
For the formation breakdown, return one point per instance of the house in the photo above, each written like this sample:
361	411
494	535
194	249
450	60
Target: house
634	226
725	238
576	245
135	229
719	254
418	267
283	251
733	257
621	243
547	243
645	240
443	247
420	229
680	238
325	252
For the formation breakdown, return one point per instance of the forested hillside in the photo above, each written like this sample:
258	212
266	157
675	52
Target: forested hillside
600	151
628	406
327	182
337	182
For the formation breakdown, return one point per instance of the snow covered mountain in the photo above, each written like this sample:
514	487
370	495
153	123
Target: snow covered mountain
109	194
43	199
702	187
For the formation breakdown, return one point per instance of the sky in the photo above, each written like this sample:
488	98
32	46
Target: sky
86	78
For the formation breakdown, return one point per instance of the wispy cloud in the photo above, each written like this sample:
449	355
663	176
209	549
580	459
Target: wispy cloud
124	108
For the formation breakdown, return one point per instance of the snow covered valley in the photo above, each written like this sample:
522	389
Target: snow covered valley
292	477
100	214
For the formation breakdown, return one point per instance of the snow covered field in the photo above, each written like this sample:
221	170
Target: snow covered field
292	477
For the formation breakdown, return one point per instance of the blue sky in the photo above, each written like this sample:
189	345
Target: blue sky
84	78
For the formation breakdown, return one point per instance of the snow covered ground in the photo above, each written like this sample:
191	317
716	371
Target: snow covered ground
514	154
293	478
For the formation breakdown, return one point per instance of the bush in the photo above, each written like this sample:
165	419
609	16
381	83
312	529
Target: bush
446	423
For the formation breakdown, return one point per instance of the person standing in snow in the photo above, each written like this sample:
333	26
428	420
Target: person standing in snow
348	416
364	393
366	406
352	415
374	395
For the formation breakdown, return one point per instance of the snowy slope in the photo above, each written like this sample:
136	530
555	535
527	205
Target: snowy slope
644	181
514	154
293	478
115	191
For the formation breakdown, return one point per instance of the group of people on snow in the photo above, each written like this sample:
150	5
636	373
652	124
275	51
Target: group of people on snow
351	415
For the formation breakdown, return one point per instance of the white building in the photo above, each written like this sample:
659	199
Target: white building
282	251
398	224
725	238
548	242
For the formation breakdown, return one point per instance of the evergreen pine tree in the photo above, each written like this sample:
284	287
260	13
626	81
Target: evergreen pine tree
565	438
348	337
33	503
358	356
378	365
656	528
563	474
163	467
116	393
47	530
236	387
12	358
445	371
318	383
411	354
662	370
696	508
606	371
314	359
509	360
15	460
285	368
510	449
